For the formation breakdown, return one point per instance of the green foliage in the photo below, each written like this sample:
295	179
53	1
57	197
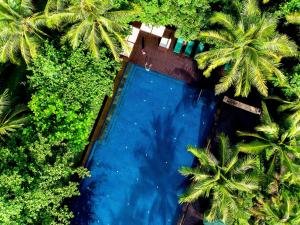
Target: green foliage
292	94
281	209
251	45
35	181
293	18
90	23
293	88
228	180
11	118
37	168
290	7
278	144
20	31
69	87
188	16
290	10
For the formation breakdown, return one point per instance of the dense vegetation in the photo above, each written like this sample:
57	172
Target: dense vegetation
71	51
252	48
257	180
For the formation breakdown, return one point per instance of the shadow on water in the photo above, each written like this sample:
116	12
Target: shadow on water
189	97
155	195
83	204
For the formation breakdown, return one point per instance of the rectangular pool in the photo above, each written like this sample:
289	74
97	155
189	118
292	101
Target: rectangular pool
134	165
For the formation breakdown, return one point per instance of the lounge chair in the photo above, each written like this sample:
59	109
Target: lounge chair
227	67
178	46
189	48
200	48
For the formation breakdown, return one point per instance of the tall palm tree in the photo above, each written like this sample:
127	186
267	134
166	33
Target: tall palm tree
10	118
279	145
20	31
92	22
223	179
251	45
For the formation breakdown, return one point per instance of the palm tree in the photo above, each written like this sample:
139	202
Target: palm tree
277	210
19	30
55	6
250	45
279	145
92	22
224	180
10	118
292	107
293	18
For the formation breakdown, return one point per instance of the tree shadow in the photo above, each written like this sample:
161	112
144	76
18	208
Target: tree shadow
189	97
156	194
82	206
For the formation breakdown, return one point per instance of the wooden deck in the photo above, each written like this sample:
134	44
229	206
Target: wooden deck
164	60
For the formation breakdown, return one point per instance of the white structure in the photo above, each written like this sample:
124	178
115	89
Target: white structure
146	28
131	39
134	35
165	43
158	31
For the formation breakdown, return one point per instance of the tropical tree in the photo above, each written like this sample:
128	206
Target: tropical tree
20	31
293	18
290	9
250	45
91	23
281	209
278	144
227	180
55	6
292	107
10	118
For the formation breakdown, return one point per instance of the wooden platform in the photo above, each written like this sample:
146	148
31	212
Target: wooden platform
242	105
164	60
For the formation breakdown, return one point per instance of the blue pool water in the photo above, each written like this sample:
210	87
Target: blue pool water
134	165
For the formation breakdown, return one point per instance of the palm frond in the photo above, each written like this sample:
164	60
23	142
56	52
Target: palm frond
253	147
216	36
293	18
223	19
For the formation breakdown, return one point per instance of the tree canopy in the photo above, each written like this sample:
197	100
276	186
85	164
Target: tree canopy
39	161
250	45
20	30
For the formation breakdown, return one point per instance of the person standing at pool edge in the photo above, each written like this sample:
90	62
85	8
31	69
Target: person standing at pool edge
143	46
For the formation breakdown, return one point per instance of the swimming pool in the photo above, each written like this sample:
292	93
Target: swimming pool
134	164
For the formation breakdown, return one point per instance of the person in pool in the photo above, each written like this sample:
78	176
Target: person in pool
148	66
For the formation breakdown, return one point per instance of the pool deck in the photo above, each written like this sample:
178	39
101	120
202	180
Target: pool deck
163	60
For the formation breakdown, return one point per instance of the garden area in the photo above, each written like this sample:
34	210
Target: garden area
59	60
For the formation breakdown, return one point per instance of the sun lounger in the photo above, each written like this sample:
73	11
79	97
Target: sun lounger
178	46
189	48
227	67
200	48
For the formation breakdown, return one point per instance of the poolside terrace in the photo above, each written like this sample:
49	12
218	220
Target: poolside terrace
164	60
